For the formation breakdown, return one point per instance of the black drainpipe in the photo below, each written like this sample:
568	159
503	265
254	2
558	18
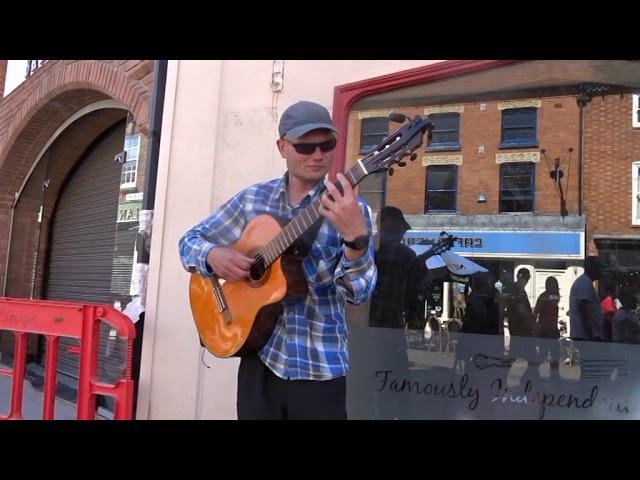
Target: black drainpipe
151	169
143	239
155	127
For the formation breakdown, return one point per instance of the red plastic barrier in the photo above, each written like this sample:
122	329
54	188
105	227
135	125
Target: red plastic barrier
55	319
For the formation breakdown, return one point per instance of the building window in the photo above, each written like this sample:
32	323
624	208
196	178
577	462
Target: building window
517	187
130	166
445	133
635	111
373	131
372	188
442	184
519	127
635	198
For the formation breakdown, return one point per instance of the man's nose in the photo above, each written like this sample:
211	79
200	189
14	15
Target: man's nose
317	153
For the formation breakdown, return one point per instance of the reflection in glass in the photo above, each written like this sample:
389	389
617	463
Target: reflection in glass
534	166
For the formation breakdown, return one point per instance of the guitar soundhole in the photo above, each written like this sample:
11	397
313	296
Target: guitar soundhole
258	269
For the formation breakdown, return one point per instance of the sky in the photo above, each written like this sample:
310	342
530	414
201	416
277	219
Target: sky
16	70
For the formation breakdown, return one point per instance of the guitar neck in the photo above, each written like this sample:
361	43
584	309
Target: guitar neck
442	245
304	220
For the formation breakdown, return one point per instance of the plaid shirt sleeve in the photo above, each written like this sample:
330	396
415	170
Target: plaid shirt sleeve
222	228
361	273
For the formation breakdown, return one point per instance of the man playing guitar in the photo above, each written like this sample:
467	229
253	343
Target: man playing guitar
300	372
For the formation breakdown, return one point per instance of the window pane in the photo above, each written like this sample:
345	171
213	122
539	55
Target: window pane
445	121
444	137
132	146
446	128
516	205
439	178
441	188
374	130
438	201
517	182
519	117
511	134
517	187
519	124
517	169
128	172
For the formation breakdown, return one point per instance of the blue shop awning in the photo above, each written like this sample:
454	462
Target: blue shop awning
525	244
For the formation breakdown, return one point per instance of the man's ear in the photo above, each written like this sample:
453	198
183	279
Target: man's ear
281	145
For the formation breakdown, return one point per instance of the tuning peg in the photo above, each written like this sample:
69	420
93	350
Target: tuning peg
402	164
391	171
413	157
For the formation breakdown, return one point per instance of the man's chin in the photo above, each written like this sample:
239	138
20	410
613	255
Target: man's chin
316	176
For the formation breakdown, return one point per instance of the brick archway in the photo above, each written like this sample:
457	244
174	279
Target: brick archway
35	111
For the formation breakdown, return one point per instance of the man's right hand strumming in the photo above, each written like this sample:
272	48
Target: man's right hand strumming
229	264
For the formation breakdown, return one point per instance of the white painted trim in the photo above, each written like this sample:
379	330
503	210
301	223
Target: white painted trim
524	103
635	110
457	108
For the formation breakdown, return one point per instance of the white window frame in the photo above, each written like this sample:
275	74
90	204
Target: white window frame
635	110
635	197
133	152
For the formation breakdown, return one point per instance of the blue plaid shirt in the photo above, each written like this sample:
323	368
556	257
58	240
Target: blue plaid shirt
309	341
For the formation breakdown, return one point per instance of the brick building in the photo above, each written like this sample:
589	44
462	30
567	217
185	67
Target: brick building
504	171
611	189
72	150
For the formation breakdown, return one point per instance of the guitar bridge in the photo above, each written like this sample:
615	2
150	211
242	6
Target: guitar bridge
219	296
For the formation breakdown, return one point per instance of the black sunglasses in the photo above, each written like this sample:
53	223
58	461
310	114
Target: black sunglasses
309	148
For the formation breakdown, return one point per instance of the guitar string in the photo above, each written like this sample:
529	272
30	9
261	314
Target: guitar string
294	229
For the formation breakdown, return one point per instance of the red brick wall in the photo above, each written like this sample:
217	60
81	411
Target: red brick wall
557	132
611	145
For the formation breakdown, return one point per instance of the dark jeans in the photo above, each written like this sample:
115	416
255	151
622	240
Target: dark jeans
262	395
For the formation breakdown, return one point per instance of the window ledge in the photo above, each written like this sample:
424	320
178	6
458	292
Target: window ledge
444	148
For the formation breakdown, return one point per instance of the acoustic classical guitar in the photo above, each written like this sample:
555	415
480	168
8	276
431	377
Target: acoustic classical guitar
236	318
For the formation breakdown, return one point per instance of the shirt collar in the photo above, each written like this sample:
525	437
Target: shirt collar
281	190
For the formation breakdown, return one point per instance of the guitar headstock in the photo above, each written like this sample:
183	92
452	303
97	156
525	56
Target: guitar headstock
443	244
402	142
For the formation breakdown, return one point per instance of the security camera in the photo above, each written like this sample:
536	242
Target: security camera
121	157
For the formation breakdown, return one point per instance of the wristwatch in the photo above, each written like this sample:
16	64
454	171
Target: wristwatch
359	243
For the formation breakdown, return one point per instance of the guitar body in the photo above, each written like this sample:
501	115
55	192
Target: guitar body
251	306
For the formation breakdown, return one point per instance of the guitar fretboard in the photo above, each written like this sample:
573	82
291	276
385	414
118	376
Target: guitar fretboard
303	221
